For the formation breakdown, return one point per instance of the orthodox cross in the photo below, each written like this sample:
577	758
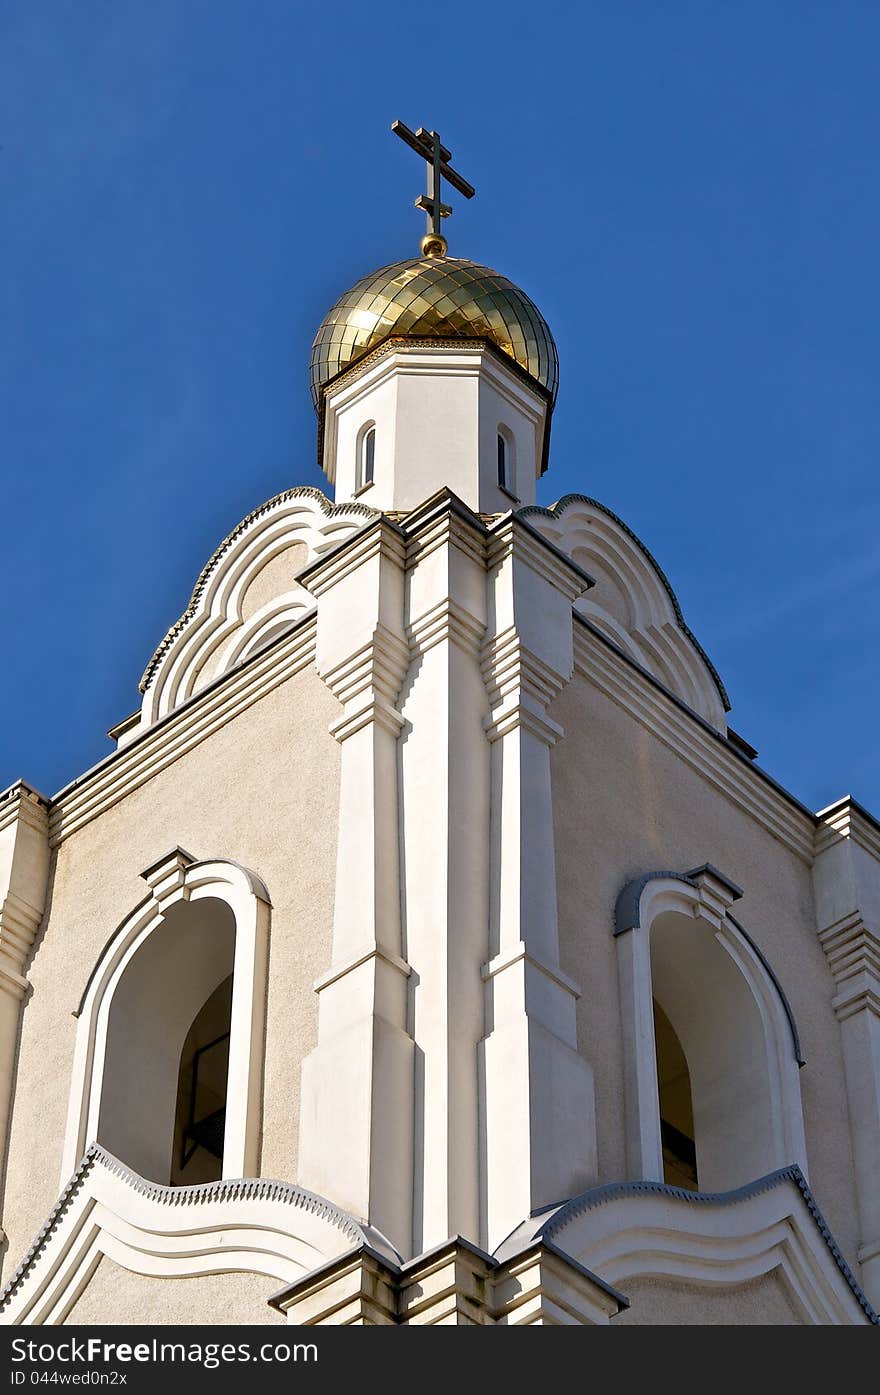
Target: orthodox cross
429	146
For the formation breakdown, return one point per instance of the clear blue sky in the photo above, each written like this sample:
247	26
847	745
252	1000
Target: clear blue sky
689	191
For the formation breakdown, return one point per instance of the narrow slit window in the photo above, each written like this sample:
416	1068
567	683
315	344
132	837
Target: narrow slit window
503	482
367	462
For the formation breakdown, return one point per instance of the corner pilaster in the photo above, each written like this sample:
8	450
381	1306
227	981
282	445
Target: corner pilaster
357	1086
538	1108
445	834
24	879
453	1285
846	879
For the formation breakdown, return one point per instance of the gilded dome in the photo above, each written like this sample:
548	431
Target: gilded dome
430	298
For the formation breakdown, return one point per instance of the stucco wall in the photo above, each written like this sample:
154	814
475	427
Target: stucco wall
763	1302
263	791
626	804
114	1296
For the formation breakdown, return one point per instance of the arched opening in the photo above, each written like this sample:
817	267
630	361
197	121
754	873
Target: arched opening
676	1106
173	992
200	1116
681	950
505	461
711	1027
502	462
366	461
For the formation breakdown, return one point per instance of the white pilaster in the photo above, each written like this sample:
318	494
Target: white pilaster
445	834
356	1112
846	878
24	877
538	1109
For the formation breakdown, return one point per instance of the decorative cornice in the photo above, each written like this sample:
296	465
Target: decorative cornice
557	510
520	687
453	1283
381	539
513	536
444	520
369	711
20	802
638	692
846	818
446	622
378	666
166	877
298	492
397	343
852	950
792	1175
23	819
238	1190
368	682
182	729
510	668
19	923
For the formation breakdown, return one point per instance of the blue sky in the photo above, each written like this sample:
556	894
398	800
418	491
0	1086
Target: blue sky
689	191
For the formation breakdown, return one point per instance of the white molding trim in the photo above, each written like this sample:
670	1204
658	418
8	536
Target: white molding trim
703	895
374	379
175	878
212	629
633	600
852	949
846	818
21	803
255	1226
597	659
224	699
635	1230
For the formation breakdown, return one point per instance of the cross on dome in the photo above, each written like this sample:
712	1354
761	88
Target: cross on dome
434	153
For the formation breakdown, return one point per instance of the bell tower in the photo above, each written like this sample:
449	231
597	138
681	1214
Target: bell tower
434	372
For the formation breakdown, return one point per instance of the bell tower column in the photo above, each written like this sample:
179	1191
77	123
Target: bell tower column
846	879
357	1085
445	781
538	1108
24	877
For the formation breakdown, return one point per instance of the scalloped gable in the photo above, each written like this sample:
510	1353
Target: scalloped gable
246	595
252	1225
632	602
647	1229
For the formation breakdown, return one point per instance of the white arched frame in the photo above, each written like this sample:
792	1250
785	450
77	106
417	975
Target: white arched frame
760	1038
175	879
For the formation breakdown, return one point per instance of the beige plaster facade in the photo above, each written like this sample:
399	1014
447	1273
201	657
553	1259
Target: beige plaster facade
666	814
116	1296
262	791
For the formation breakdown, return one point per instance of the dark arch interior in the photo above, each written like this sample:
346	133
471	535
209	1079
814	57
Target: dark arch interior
200	1112
676	1106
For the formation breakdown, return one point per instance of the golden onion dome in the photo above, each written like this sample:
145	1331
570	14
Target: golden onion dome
431	298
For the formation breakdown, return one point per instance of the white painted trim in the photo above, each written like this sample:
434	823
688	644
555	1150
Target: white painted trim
597	661
245	1226
211	628
638	1231
629	581
249	902
224	699
701	897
